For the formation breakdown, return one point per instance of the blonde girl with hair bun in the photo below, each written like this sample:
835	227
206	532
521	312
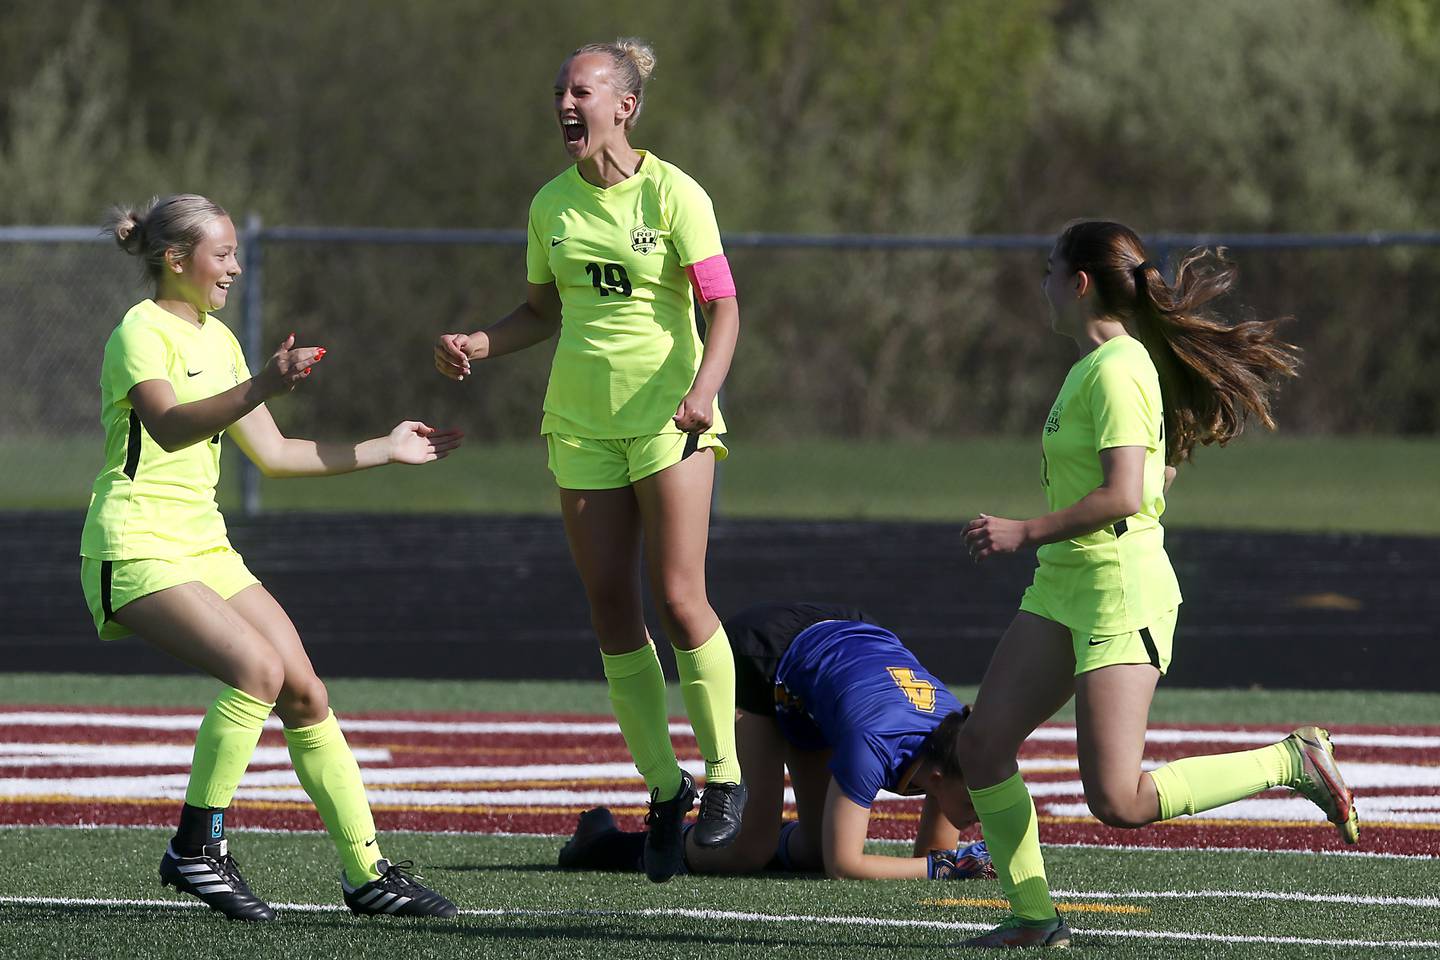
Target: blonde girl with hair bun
156	560
619	243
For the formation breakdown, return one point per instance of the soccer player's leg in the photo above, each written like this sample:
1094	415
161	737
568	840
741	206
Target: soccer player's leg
673	479
1111	744
192	623
327	770
603	529
803	850
1030	676
1112	705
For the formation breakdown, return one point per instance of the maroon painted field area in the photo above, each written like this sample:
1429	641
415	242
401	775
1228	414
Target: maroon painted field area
508	773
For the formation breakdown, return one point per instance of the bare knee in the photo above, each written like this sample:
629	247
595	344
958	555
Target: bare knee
979	752
615	608
303	701
689	620
1114	809
261	677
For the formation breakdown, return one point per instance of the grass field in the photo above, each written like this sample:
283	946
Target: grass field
1368	484
1159	892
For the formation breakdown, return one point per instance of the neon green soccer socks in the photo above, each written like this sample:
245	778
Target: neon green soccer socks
1007	818
637	696
330	775
1197	784
707	682
223	747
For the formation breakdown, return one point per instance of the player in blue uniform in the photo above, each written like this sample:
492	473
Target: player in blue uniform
850	712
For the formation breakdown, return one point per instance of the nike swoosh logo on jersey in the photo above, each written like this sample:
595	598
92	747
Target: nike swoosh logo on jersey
370	842
1095	643
193	373
554	242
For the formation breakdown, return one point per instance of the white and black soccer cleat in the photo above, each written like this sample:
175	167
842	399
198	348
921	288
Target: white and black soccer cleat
396	892
214	877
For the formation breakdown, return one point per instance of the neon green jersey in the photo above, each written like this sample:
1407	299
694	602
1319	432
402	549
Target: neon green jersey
1118	578
146	502
629	348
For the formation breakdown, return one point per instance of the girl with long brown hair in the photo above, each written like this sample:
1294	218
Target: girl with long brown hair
1159	374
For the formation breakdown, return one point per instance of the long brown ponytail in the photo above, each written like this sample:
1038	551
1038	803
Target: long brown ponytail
1213	374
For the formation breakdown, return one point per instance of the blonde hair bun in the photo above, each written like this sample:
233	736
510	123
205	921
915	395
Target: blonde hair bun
127	225
634	62
638	52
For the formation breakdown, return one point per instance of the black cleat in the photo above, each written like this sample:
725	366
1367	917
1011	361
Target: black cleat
721	807
664	832
214	877
396	892
593	825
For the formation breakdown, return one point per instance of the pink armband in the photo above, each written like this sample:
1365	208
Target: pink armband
711	278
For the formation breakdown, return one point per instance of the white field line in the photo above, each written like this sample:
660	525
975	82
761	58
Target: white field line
753	917
280	784
1397	809
1060	732
1286	895
143	755
881	841
1208	850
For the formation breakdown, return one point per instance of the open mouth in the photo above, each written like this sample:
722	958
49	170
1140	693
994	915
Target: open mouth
573	128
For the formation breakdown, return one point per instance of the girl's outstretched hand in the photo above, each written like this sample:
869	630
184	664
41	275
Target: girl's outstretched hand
287	366
415	442
987	535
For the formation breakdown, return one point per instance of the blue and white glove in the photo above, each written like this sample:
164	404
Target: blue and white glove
967	863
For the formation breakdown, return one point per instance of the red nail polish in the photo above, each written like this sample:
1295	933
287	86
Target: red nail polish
319	352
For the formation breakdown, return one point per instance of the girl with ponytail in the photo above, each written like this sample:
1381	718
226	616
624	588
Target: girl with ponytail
1159	374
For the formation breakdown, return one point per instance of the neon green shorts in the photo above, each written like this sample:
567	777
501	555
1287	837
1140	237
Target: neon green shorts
110	584
1150	644
584	463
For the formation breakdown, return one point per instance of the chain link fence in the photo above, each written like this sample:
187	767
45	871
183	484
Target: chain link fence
842	336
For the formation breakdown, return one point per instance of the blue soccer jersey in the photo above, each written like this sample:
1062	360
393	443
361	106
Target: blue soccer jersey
853	687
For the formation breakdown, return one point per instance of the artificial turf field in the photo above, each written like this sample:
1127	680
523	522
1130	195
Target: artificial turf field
476	781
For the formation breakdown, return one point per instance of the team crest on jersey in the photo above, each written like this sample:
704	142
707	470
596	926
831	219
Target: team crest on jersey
642	239
919	691
1052	422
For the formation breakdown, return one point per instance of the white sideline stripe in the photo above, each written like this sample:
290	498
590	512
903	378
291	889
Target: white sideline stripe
285	777
847	921
1394	741
1359	899
1207	850
144	755
1399	809
1059	732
